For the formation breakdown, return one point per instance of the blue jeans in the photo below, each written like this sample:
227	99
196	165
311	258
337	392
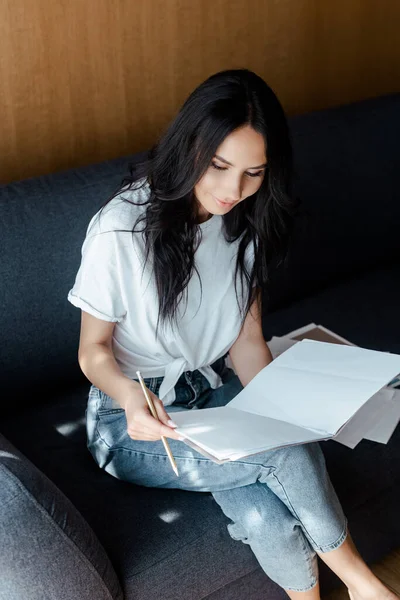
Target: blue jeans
280	502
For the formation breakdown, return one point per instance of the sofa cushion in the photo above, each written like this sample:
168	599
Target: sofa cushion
155	538
47	548
148	531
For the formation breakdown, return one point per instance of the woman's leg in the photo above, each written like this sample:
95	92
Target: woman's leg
259	517
312	594
290	484
348	565
295	480
297	477
344	560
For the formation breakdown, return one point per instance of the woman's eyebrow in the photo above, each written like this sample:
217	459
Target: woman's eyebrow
231	165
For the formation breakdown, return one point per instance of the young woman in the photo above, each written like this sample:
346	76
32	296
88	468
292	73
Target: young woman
169	284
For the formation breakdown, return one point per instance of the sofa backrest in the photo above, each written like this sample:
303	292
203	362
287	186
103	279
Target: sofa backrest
43	225
347	165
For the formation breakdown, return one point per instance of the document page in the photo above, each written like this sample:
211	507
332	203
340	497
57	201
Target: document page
225	432
389	417
317	385
363	421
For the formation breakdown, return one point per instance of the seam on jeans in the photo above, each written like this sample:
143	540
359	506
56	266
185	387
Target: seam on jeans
57	527
158	455
294	511
316	546
110	411
97	430
308	552
334	545
153	384
303	589
199	458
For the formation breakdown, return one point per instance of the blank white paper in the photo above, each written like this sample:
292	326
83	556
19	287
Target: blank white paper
317	385
365	419
389	417
225	431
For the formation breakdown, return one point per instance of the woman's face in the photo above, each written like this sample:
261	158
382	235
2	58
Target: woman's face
235	173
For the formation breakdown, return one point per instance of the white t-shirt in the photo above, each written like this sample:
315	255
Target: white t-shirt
109	285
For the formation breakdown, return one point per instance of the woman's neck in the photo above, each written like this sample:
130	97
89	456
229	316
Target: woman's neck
202	215
203	218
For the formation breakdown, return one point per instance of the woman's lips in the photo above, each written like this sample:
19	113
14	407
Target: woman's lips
223	203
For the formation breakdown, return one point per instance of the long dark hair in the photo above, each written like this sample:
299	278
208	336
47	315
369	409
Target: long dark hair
224	102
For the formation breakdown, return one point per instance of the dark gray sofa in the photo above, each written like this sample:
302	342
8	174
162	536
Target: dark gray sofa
343	272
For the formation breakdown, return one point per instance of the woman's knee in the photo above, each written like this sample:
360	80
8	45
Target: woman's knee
261	520
257	513
300	456
302	482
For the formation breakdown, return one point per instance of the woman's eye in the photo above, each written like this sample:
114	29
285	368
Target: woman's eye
218	168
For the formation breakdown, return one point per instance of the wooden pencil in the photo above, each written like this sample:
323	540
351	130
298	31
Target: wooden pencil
154	413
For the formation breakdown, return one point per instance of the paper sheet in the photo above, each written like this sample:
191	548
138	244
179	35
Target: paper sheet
224	431
317	385
382	429
377	419
277	345
365	419
381	414
340	393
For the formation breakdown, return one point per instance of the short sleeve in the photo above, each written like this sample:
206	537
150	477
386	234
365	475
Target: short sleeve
98	284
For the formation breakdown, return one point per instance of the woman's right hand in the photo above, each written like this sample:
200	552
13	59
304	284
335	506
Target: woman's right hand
141	425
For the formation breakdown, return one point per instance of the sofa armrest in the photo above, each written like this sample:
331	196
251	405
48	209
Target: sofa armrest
47	548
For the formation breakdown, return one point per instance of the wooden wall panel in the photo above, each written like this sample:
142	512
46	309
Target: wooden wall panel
86	80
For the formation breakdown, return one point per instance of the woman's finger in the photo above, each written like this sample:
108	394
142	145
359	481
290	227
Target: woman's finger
162	413
146	424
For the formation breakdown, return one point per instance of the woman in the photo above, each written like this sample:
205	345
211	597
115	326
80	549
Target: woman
169	284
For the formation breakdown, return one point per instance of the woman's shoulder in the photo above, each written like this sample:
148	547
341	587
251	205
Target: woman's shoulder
123	210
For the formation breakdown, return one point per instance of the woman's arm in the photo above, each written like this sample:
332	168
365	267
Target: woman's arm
250	353
96	359
98	363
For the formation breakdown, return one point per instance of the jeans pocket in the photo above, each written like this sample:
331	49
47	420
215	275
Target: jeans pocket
111	429
153	384
110	411
106	405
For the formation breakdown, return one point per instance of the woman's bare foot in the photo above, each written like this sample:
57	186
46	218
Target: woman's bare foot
378	592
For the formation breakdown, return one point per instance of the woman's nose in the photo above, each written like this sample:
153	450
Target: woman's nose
232	192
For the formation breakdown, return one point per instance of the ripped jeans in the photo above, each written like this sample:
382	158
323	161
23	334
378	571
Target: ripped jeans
281	502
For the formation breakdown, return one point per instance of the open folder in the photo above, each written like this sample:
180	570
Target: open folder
308	393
